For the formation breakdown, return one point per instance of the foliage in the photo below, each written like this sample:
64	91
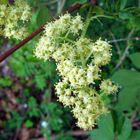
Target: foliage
110	126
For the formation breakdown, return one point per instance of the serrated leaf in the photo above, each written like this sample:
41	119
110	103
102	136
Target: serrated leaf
126	130
135	135
98	10
43	16
82	1
40	81
32	103
97	134
126	77
106	125
127	97
138	102
135	58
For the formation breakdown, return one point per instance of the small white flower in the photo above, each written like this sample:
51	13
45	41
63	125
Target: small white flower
44	124
25	105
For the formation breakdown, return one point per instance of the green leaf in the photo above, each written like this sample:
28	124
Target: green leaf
34	113
129	13
106	125
110	5
127	97
29	124
135	22
32	103
96	134
126	15
123	3
40	81
43	16
126	77
119	114
118	4
114	117
126	130
131	9
98	10
120	125
138	102
135	58
135	135
82	1
47	95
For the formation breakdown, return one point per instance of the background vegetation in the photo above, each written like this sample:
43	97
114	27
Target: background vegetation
28	105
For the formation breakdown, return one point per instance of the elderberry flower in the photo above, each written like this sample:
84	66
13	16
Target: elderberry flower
107	87
78	64
11	15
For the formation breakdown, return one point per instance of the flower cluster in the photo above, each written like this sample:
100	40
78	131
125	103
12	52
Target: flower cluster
11	16
78	63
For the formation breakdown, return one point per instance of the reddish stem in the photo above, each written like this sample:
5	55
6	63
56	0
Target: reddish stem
32	35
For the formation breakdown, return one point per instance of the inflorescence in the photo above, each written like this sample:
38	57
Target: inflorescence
11	16
78	63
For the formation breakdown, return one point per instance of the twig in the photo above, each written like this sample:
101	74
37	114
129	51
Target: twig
32	35
124	39
117	46
126	49
134	115
16	135
51	2
136	124
60	6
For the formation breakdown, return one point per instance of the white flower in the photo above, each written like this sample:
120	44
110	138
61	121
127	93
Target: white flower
44	124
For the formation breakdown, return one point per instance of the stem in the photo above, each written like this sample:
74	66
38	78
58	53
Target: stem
59	41
124	39
83	62
87	21
13	49
67	33
63	39
117	46
88	56
95	92
67	39
111	17
45	3
84	32
126	49
77	61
